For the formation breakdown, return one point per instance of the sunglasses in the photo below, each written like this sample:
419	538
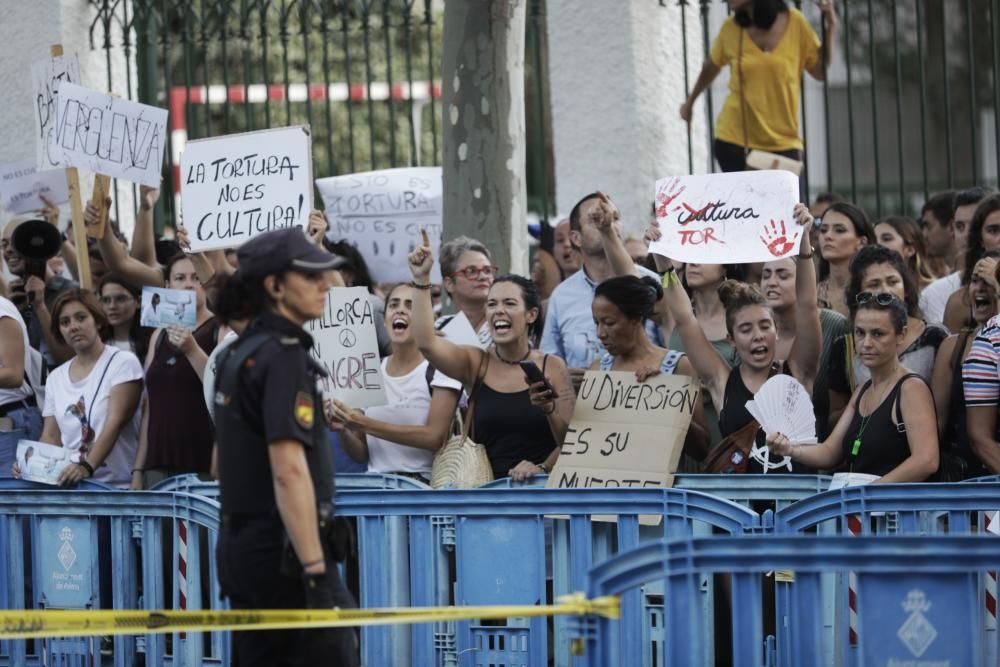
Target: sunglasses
883	299
473	272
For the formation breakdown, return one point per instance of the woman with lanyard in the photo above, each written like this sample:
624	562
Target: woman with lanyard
90	401
621	307
877	269
768	46
888	428
402	436
521	426
751	328
20	418
176	436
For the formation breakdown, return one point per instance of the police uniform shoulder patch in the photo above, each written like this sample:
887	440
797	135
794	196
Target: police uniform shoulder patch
305	411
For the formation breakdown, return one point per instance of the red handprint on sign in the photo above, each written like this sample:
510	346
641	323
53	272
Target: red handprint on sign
776	239
667	196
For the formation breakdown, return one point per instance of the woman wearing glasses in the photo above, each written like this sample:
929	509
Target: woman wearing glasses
120	302
90	400
522	427
888	429
467	273
877	269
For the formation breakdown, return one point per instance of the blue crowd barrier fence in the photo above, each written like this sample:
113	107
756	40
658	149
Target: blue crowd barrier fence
924	608
891	509
94	547
488	546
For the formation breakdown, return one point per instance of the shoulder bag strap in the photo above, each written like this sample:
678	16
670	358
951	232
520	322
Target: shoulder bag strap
90	408
849	359
743	97
897	410
484	364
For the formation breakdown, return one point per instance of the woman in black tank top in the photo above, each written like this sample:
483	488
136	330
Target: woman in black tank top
522	426
889	427
751	327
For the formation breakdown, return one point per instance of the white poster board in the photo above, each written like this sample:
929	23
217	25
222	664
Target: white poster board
21	185
624	433
381	214
345	344
239	186
109	135
729	218
46	77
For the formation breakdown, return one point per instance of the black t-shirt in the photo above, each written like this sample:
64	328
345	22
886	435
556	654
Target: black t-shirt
276	399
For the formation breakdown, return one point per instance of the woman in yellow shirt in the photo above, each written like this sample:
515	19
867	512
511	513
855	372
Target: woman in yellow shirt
768	46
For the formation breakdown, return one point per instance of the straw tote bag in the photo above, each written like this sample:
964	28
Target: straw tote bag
462	463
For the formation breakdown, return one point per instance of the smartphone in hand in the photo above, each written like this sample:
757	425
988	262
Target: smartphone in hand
535	375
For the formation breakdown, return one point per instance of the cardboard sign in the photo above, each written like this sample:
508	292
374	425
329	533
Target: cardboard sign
165	307
21	184
239	186
43	463
625	434
381	213
46	77
109	135
346	346
731	218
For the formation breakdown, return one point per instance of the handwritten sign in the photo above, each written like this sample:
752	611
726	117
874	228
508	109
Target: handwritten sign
625	434
46	77
239	186
21	184
728	218
345	344
381	213
109	135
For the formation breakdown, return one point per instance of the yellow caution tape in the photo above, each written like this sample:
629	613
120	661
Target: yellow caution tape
31	624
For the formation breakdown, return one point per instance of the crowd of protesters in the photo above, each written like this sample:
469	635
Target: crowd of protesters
847	317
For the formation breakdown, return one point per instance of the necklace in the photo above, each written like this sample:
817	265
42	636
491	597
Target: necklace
512	363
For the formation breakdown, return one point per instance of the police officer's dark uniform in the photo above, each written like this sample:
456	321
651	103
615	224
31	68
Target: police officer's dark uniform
266	392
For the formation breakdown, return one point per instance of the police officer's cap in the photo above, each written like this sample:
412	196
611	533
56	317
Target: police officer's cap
282	250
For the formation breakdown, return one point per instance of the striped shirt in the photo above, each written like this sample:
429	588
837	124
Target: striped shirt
980	379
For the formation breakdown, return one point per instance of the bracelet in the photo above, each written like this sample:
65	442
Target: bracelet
306	566
135	470
86	466
544	467
424	286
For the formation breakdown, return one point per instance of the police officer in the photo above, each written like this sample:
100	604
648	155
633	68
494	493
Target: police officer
279	540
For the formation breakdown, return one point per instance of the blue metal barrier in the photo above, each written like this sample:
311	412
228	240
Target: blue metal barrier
105	548
495	541
902	509
924	598
988	479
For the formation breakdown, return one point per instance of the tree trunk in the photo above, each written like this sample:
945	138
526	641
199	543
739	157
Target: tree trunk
483	107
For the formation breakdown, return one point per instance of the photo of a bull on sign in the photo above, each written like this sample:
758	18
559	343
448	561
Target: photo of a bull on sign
729	218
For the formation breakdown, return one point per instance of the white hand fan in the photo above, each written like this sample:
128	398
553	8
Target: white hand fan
782	405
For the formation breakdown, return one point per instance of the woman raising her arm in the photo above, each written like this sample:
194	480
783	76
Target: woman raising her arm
522	427
888	429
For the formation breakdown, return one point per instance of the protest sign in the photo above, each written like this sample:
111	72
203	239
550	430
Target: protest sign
109	135
625	433
46	77
21	184
43	463
239	186
345	344
729	218
381	213
165	307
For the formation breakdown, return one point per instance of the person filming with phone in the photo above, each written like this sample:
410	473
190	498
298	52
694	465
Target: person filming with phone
521	423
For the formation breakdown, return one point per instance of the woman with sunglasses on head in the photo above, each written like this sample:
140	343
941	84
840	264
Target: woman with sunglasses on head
120	302
877	269
91	400
521	426
751	329
888	429
949	397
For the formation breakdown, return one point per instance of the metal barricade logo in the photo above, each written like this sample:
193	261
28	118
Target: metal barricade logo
917	633
66	555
